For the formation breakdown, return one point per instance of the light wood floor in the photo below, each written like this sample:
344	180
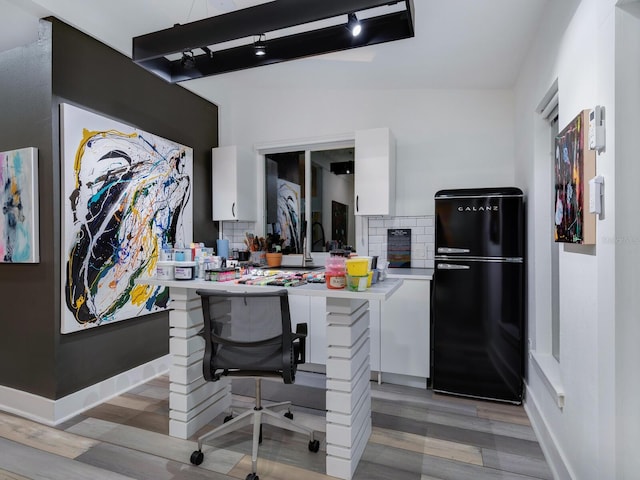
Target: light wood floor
417	435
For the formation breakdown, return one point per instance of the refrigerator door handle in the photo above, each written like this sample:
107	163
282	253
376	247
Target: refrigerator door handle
453	250
449	266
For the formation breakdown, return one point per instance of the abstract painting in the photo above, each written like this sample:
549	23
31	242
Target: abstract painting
573	162
289	215
126	193
19	235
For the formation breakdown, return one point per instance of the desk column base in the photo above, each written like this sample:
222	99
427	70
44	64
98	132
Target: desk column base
348	390
193	402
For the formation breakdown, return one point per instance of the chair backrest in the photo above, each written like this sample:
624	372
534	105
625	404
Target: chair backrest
247	334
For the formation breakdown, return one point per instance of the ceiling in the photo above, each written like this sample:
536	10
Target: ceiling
458	43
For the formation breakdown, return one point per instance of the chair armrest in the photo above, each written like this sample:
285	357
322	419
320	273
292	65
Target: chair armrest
301	336
301	329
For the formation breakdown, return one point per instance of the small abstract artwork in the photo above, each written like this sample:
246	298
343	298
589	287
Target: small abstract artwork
573	163
289	222
126	193
19	234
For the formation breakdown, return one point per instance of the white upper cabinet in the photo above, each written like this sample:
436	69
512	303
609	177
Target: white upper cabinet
233	184
375	172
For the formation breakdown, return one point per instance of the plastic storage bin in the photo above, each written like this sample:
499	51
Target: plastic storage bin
357	267
357	283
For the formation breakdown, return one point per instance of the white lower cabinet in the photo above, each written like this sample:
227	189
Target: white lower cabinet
405	330
313	312
374	335
317	330
399	330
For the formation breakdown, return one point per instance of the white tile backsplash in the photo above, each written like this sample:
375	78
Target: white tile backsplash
407	222
235	233
422	237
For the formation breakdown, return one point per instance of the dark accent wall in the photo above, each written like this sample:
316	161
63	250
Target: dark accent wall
66	65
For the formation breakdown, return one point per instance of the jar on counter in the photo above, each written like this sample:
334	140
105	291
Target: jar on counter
184	270
164	270
334	275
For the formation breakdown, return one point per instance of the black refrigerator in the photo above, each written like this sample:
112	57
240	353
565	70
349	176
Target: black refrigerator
477	316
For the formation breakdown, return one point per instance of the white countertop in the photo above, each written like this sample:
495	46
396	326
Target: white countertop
378	291
411	273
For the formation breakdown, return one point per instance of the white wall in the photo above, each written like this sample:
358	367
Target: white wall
627	240
445	138
576	46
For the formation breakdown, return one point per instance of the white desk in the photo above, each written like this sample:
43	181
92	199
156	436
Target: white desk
193	402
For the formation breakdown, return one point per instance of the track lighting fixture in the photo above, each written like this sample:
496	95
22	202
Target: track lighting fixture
188	61
260	46
297	29
207	52
353	24
342	168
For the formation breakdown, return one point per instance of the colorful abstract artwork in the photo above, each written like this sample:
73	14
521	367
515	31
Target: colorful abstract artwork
570	152
19	214
126	194
289	215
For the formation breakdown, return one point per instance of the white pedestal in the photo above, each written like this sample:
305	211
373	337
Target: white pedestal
348	391
193	402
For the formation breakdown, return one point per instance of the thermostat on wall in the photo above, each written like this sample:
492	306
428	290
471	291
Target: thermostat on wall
596	128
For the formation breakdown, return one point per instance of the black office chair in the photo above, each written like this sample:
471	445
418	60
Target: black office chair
249	334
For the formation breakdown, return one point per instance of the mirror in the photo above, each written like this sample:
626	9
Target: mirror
322	180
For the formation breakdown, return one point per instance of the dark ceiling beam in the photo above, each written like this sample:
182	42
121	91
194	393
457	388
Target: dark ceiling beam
150	50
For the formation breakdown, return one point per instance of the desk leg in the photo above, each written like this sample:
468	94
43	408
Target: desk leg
193	402
348	391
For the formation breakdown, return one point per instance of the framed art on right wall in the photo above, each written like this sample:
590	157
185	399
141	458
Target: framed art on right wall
19	221
575	164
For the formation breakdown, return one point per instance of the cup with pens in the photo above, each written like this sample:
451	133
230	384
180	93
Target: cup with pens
257	247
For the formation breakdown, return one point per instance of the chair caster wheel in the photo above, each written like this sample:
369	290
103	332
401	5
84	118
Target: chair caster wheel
253	476
289	415
197	457
228	418
314	446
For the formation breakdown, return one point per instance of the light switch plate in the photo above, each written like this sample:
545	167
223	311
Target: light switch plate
595	194
596	129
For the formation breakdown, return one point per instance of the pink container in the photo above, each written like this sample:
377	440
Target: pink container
334	275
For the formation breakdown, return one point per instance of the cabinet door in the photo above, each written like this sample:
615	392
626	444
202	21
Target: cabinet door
374	335
317	330
313	312
404	330
233	184
299	311
375	172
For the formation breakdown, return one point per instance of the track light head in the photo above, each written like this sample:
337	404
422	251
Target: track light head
188	61
353	24
208	52
260	46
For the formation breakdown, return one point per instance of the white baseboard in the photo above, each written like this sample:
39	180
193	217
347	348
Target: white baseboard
52	412
404	380
545	436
